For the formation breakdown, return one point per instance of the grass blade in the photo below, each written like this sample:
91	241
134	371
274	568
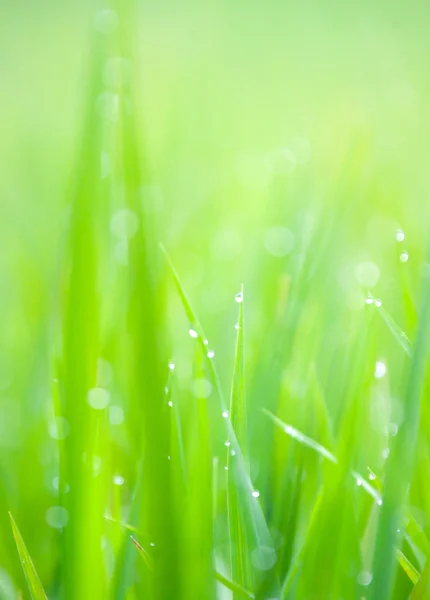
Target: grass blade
33	581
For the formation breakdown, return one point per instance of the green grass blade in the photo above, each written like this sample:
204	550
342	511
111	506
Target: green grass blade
400	463
407	566
234	587
33	581
421	590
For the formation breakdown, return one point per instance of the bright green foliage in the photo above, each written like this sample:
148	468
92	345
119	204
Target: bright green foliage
167	432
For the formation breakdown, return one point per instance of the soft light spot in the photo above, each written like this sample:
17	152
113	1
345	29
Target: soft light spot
225	414
233	453
98	398
152	544
107	105
202	388
392	429
205	342
124	224
59	428
116	415
118	480
367	274
380	369
282	161
255	493
57	517
170	403
193	333
263	558
364	578
359	482
379	502
226	467
385	453
278	241
152	199
172	366
237	326
404	257
106	21
400	236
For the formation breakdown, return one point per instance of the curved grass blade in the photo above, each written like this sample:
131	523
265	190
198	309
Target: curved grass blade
142	553
407	566
317	447
233	587
35	587
397	332
249	505
400	462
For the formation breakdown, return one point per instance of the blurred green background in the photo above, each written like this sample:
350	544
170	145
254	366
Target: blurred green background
286	145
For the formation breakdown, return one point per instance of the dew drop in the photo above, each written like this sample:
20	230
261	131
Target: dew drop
118	480
372	476
211	354
255	493
380	369
237	326
233	453
225	414
193	333
205	342
172	366
385	453
227	443
369	300
379	502
378	303
239	297
226	467
404	257
400	236
170	403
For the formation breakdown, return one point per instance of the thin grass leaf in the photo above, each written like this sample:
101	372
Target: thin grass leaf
142	553
233	587
317	447
407	566
400	462
399	335
421	590
35	587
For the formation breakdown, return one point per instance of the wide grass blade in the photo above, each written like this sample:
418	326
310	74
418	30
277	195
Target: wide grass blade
35	587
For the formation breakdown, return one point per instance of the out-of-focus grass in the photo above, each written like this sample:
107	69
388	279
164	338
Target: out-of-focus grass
155	157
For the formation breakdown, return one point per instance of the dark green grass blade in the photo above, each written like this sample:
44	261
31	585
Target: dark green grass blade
33	581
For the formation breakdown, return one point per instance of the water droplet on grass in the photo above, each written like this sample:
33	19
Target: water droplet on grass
263	558
378	303
239	297
255	493
211	354
369	300
172	366
225	414
227	443
380	369
170	403
118	480
400	236
193	333
404	257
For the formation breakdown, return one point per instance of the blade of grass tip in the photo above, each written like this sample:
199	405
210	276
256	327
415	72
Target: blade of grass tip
317	447
234	587
35	587
239	542
422	587
400	461
407	566
252	510
142	553
397	332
